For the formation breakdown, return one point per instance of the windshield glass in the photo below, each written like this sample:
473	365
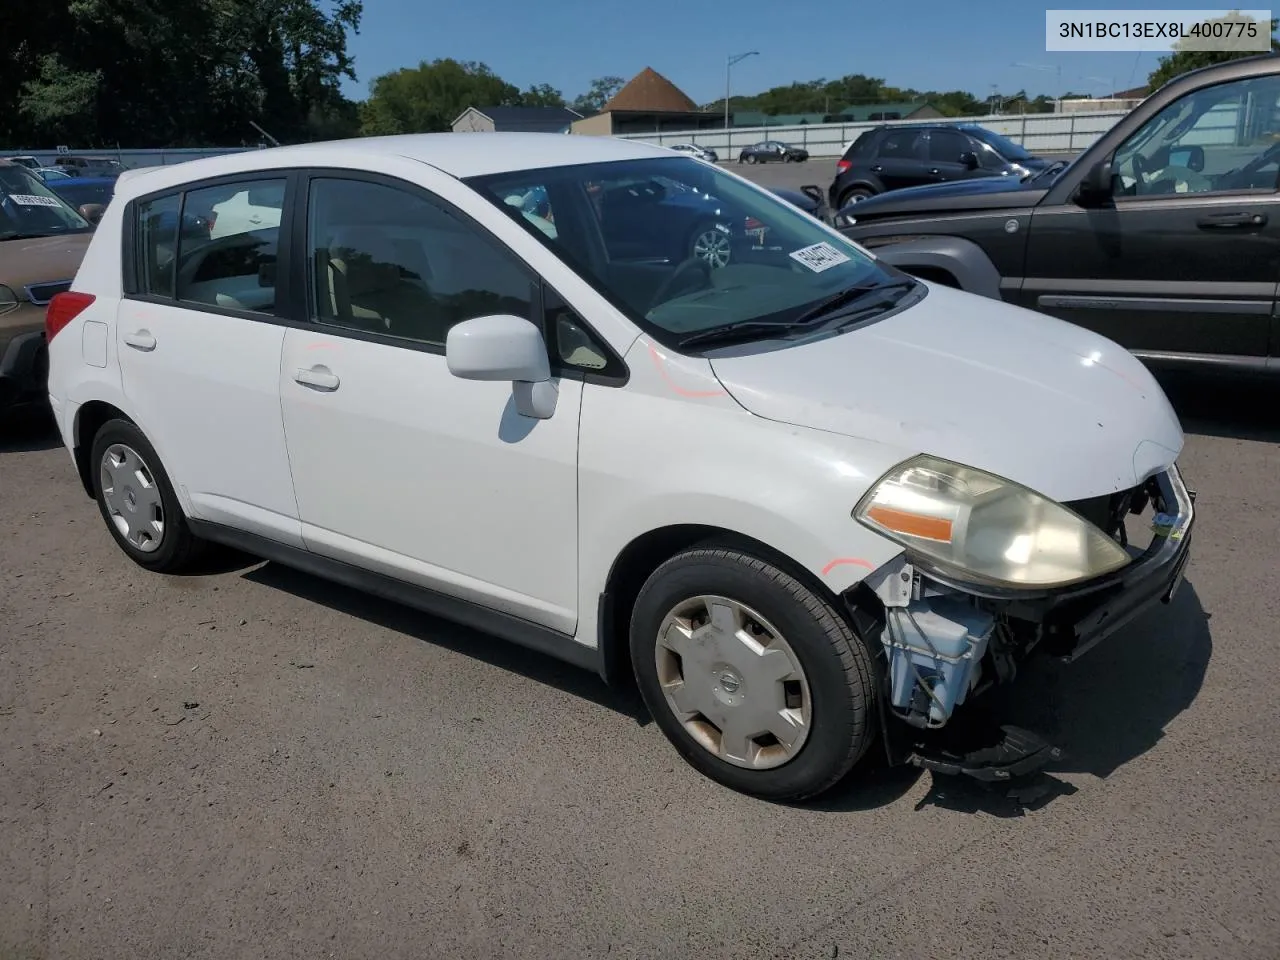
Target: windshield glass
28	208
682	246
1006	147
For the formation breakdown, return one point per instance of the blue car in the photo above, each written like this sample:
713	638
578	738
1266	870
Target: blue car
79	191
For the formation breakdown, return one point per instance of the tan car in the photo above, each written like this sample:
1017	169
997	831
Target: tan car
42	241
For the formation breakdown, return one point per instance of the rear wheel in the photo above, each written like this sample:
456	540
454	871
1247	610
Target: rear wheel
759	682
137	501
856	195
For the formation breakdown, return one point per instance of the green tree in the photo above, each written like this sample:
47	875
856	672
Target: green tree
542	95
429	97
601	91
1186	58
174	72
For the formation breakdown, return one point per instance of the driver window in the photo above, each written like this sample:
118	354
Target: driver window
1224	138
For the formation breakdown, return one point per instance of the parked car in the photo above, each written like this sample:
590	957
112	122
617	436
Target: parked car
89	166
812	504
693	150
41	243
82	192
893	157
51	173
1163	236
26	161
767	151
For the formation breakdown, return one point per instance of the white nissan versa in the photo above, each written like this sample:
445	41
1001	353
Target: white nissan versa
808	502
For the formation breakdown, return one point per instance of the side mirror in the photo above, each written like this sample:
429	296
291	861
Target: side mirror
92	211
1097	183
970	160
505	347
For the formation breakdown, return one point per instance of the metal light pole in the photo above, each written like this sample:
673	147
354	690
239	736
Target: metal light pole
729	62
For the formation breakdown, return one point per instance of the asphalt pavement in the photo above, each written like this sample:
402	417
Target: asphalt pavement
255	763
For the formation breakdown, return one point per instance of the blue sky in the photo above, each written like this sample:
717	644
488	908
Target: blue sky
924	44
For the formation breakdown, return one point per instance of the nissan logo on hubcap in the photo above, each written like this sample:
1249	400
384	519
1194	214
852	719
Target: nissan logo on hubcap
729	683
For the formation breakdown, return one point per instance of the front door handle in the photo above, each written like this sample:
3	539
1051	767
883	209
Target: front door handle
319	377
934	171
141	340
877	168
1219	221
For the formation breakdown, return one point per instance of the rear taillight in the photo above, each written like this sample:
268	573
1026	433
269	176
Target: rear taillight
64	308
842	166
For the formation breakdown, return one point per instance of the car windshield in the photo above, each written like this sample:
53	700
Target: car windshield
683	247
1004	146
28	208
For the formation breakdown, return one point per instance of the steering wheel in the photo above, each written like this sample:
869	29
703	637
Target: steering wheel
692	274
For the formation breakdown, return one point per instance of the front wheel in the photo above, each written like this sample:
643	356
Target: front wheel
759	683
711	245
751	158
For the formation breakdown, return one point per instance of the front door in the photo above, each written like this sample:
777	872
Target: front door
399	466
947	152
199	345
1183	260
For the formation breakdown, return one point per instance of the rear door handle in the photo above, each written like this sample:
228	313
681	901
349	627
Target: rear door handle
321	378
140	340
1218	221
877	168
934	171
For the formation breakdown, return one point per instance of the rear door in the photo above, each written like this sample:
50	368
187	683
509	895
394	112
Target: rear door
901	159
199	342
1182	262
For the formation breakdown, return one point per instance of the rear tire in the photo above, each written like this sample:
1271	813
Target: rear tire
764	647
138	503
855	195
751	158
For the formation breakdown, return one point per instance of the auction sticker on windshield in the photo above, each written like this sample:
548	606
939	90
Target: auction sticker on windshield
819	256
27	200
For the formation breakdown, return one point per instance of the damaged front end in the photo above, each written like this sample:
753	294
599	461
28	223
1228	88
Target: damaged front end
950	631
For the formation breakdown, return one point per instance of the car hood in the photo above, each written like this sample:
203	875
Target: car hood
1025	396
41	259
976	194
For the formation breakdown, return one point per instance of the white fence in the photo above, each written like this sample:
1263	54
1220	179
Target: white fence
1039	133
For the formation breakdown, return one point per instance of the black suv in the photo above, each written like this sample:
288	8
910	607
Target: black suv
908	155
1164	236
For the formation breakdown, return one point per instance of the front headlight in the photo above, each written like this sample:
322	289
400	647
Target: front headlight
8	300
985	528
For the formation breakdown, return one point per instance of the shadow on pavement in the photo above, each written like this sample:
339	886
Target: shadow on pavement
1221	406
442	633
28	429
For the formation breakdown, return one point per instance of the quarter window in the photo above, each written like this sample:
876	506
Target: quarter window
228	244
385	260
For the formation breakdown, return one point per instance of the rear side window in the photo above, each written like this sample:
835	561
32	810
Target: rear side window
233	264
900	144
157	244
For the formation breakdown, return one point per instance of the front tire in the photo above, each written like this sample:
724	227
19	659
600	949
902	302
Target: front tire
751	158
757	681
137	501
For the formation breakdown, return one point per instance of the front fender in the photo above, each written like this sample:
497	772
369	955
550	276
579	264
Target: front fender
963	259
672	448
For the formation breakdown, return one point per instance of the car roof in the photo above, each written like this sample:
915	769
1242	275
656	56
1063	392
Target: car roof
83	181
457	154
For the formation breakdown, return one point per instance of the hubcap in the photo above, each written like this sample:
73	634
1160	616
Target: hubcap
132	497
713	247
733	682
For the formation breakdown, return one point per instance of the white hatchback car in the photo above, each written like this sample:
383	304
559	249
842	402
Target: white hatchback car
807	502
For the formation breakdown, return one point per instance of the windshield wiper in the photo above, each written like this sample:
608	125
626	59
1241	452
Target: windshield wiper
736	332
1052	168
757	329
847	296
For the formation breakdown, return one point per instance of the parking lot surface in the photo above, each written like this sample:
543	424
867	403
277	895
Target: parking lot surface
253	762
